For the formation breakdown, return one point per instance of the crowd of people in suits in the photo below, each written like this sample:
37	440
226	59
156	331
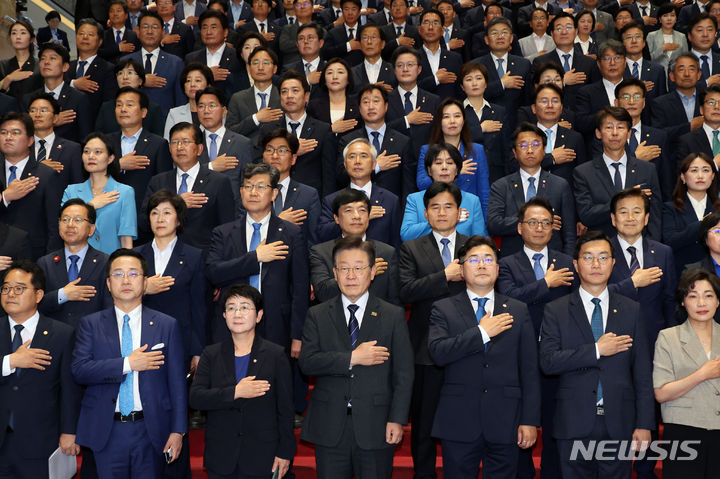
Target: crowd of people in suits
493	221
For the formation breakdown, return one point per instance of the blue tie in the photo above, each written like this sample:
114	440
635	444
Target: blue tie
294	125
183	184
500	69
408	103
213	147
596	324
353	326
634	263
16	343
73	269
549	145
81	69
481	312
635	73
263	101
118	37
537	267
633	143
445	253
447	35
13	177
126	387
167	28
254	242
531	191
566	62
705	67
376	141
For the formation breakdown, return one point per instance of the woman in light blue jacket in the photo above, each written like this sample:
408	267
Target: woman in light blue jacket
666	43
195	77
442	163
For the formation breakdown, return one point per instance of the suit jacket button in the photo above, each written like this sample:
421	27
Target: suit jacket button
486	365
352	376
15	388
484	390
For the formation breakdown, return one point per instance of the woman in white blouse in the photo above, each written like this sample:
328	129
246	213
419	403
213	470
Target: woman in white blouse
666	43
585	39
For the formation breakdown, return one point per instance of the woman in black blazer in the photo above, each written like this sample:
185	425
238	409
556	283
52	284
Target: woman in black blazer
681	221
20	74
336	83
245	385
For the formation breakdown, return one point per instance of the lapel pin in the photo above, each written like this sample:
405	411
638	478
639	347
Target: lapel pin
614	310
294	189
94	260
554	260
392	139
632	171
59	147
151	323
254	360
145	140
201	181
228	140
504	305
279	229
652	251
181	262
45	333
515	185
373	313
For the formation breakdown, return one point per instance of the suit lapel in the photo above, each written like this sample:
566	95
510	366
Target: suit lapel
143	142
369	329
579	317
110	328
291	194
43	334
517	190
526	268
275	233
226	142
621	265
227	362
500	307
432	253
149	331
465	309
691	344
337	314
255	356
176	262
604	175
88	265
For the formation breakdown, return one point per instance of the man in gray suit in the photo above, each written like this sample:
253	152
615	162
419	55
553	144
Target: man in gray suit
539	42
604	24
360	400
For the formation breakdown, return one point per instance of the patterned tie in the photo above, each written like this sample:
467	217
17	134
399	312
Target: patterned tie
254	243
705	67
81	68
549	145
42	152
500	69
167	28
183	184
148	63
212	154
13	177
633	143
73	269
634	263
262	28
531	191
617	178
294	126
408	103
353	326
134	20
481	312
351	34
278	205
376	141
537	267
635	73
263	100
399	31
447	35
566	62
715	145
118	37
126	387
16	343
445	253
596	324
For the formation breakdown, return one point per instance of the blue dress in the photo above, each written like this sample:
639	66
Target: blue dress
114	220
414	225
477	184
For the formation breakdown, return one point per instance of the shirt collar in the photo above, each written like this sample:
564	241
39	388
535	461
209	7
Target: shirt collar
89	61
466	102
524	175
361	302
220	132
135	315
687	98
531	252
366	188
452	236
155	53
80	254
133	138
192	171
301	121
169	248
431	54
490	296
608	161
560	54
503	58
380	130
587	297
49	140
624	244
263	221
29	326
56	91
402	91
268	91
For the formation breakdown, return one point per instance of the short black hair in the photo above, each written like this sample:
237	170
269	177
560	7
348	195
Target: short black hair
593	235
142	96
614	112
381	32
120	252
559	16
260	49
706	225
402	50
357	3
293	75
664	9
200	67
207	14
537	201
37	279
136	66
629	193
59	49
689	55
184	125
436	148
23	118
541	69
291	139
628	82
122	3
91	212
52	14
320	31
113	169
223	4
498	21
93	23
527	127
699	18
620	10
351	78
349	243
368	87
687	281
49	97
551	86
431	11
175	201
475	241
218	93
702	94
244	291
630	26
151	14
580	14
347	196
254	169
441	187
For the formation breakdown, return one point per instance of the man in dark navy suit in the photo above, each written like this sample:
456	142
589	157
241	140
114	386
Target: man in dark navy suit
342	41
75	274
360	161
701	38
597	181
239	13
401	31
178	39
524	15
207	193
633	37
509	194
309	41
678	112
39	400
429	271
396	166
489	404
262	24
373	68
594	340
439	66
705	139
296	202
118	38
189	13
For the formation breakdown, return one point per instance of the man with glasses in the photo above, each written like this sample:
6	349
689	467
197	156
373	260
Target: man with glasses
489	406
75	274
399	32
509	194
373	68
309	42
705	139
633	37
290	47
178	39
597	181
39	400
260	23
131	360
594	340
439	66
357	347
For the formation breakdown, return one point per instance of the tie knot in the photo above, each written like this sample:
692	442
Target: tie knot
83	63
596	301
531	180
616	165
481	302
256	226
213	136
74	258
294	125
42	143
126	319
13	169
445	241
353	309
538	256
632	250
407	95
184	176
500	61
634	131
148	55
715	136
566	56
704	57
18	328
280	187
375	134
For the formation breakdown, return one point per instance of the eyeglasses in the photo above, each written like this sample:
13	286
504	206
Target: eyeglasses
502	34
477	260
712	102
15	132
637	36
366	38
265	63
17	290
715	231
184	142
609	59
126	73
533	223
434	23
77	220
210	26
154	27
260	187
590	259
628	97
208	107
283	150
243	309
549	101
132	274
307	38
358	270
401	66
567	28
532	144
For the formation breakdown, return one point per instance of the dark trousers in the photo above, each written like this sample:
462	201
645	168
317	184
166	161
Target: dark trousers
592	469
14	466
88	468
129	453
347	459
707	463
461	460
426	395
180	467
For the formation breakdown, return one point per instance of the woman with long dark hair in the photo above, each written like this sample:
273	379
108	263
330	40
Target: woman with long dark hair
334	104
17	73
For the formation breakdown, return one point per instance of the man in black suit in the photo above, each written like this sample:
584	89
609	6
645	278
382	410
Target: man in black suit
75	119
141	154
396	166
39	400
594	340
61	155
30	197
260	23
489	406
373	68
118	38
477	46
524	15
429	270
360	162
206	193
347	343
52	33
701	38
633	37
351	210
90	73
220	57
509	194
223	150
14	244
579	69
288	45
453	37
597	181
438	76
96	9
178	39
705	139
309	41
8	104
400	32
75	274
239	13
315	164
342	41
296	202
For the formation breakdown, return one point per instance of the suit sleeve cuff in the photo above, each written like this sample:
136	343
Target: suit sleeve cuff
255	120
485	336
597	352
6	370
126	366
62	299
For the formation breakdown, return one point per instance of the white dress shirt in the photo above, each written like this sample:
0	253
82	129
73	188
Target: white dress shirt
543	261
610	89
539	41
361	303
413	99
162	257
27	333
20	165
153	60
300	120
699	55
188	9
213	59
220	132
451	245
638	247
372	69
366	188
552	137
135	324
524	176
55	92
589	307
479	112
284	190
265	223
192	174
611	169
433	60
709	134
49	140
698	206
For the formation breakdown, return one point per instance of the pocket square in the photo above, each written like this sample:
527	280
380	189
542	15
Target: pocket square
157	346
